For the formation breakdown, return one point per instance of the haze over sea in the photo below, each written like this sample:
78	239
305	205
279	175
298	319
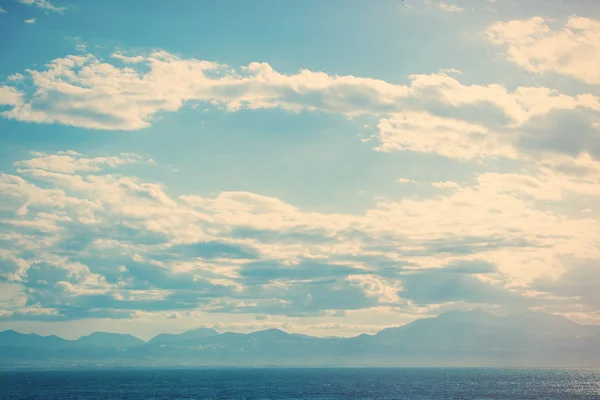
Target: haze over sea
282	384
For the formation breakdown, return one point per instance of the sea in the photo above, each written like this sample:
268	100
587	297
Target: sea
309	383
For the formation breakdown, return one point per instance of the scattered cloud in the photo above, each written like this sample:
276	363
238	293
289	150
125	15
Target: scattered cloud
9	96
78	236
16	77
534	45
405	180
445	185
44	4
82	237
426	133
450	7
434	113
30	21
450	71
71	162
87	92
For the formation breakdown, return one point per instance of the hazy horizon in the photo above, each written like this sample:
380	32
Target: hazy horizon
166	329
529	339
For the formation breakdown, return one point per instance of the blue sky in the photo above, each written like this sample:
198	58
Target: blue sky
325	167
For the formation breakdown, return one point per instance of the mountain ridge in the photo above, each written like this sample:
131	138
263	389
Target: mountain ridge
453	339
201	332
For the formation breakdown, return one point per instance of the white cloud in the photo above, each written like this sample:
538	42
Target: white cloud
86	92
405	180
2	10
450	7
422	132
16	77
45	4
451	71
534	45
445	185
72	162
9	96
384	290
53	201
30	21
547	183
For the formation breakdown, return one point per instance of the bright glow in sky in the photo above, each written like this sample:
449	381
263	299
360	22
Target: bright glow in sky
324	167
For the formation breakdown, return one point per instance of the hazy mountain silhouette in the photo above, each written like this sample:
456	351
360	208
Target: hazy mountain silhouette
182	337
32	340
451	339
111	340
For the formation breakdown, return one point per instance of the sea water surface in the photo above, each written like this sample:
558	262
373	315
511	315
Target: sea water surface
282	384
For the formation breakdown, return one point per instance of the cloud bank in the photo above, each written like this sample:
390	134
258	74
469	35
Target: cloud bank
81	240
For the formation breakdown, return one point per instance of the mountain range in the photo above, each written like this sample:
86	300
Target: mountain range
474	338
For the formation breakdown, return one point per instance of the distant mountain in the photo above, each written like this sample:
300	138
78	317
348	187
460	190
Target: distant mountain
474	338
481	331
15	339
198	333
271	334
11	338
105	339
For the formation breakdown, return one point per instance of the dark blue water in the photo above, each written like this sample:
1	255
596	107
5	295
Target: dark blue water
283	384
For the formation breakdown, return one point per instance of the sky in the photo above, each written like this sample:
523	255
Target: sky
323	167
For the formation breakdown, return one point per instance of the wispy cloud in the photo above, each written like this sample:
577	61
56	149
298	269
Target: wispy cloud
30	21
45	4
16	77
450	7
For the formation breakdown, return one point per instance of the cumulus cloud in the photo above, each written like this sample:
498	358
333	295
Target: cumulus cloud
30	21
425	133
87	240
435	114
9	96
534	45
80	237
80	240
129	92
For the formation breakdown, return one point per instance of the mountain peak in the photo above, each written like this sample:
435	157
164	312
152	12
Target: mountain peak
465	314
196	333
100	334
202	330
108	339
453	338
273	332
